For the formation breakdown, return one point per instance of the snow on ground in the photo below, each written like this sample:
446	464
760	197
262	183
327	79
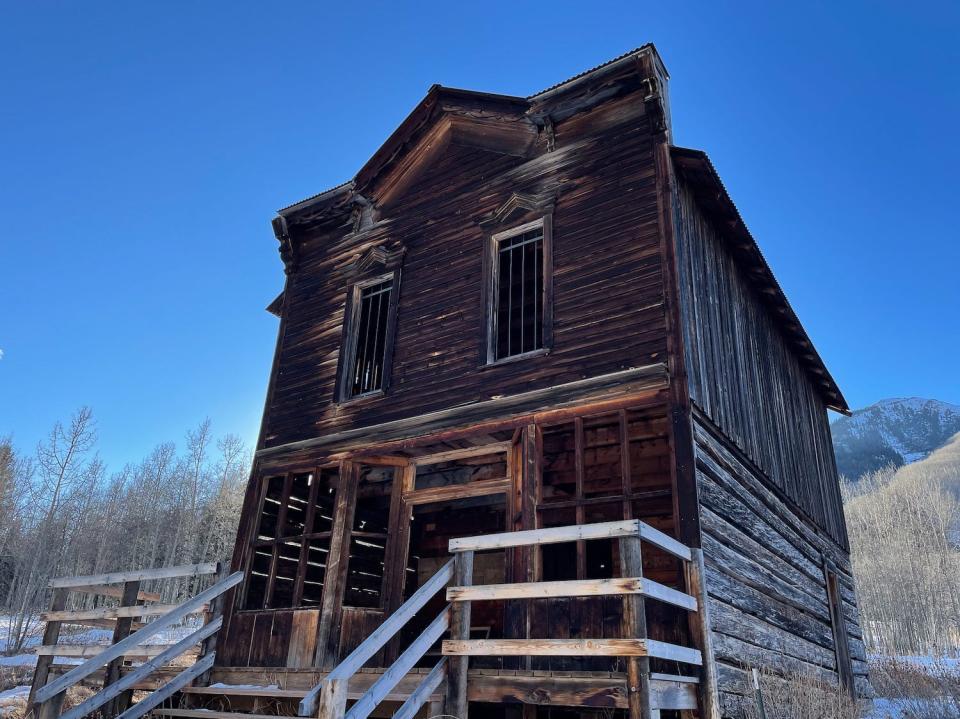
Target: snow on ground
909	708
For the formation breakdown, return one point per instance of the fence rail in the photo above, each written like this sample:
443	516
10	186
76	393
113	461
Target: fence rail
46	698
635	647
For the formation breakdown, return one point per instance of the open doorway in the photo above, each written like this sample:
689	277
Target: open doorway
454	498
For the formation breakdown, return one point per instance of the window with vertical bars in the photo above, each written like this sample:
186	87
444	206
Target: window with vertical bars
518	297
370	339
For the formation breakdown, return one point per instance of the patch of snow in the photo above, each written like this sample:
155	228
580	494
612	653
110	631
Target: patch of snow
19	660
13	698
221	685
908	708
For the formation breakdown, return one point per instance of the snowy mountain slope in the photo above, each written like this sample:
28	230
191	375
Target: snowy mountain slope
892	431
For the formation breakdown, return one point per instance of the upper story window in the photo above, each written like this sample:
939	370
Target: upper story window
368	337
519	308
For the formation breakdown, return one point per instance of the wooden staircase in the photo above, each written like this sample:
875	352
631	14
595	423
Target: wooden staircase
642	692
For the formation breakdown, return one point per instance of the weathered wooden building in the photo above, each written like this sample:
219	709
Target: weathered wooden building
538	314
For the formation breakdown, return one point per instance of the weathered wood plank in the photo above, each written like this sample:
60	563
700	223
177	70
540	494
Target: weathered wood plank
86	651
144	610
572	588
116	592
423	692
570	648
455	699
92	580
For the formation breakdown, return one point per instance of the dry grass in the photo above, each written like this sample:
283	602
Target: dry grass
920	692
18	709
800	696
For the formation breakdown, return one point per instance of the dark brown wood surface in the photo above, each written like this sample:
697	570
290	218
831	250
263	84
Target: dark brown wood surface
608	295
768	599
745	375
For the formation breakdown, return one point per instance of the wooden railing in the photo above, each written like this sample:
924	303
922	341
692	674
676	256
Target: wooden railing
328	700
46	699
634	646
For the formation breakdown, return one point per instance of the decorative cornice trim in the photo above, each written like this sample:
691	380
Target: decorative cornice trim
516	202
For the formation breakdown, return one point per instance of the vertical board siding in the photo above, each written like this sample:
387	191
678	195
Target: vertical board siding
746	378
608	308
765	581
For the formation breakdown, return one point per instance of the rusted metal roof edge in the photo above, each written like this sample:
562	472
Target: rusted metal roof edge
835	398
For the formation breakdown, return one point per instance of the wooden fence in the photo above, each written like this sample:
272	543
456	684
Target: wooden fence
127	643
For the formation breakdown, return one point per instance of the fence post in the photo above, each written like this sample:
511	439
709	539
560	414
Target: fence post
209	645
634	625
332	702
700	628
455	703
131	591
51	634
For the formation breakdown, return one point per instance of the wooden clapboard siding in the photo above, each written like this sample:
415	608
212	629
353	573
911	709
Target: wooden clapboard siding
608	308
765	579
746	377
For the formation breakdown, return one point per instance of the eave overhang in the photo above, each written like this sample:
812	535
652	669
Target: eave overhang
695	167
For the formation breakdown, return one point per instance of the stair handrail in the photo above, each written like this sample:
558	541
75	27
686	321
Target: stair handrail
44	699
330	693
632	586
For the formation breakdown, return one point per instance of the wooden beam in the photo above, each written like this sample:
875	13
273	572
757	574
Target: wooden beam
85	651
553	535
455	701
144	610
633	623
572	533
572	588
545	647
478	488
631	386
93	580
570	648
701	629
453	454
599	691
116	592
51	634
121	631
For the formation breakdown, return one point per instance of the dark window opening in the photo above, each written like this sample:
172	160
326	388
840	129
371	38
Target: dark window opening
292	541
518	311
370	340
368	539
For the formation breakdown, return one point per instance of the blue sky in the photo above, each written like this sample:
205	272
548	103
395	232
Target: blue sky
145	146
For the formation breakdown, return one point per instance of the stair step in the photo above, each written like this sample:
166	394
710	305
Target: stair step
248	691
208	714
355	691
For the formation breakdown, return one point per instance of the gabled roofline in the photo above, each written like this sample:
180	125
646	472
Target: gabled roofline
591	74
762	278
422	111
